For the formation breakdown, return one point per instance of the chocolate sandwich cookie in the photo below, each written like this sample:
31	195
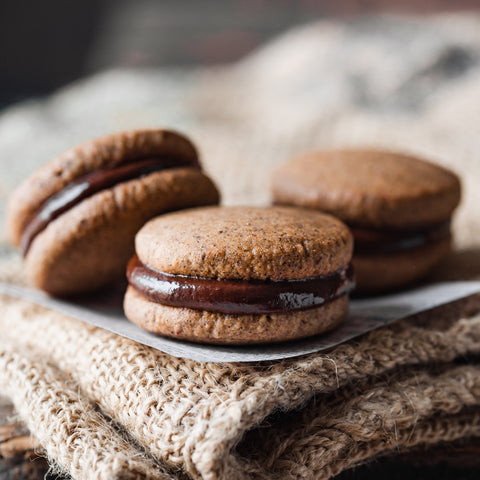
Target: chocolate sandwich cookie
75	219
398	207
240	275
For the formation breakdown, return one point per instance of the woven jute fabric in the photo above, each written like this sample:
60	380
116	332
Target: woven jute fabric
105	407
367	397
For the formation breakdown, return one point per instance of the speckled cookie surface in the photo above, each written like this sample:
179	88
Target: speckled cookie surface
246	243
110	150
211	327
368	187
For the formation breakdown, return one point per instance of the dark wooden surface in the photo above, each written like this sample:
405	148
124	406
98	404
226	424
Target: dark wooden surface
20	454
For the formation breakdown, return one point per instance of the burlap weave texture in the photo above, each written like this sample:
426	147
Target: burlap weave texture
105	407
190	415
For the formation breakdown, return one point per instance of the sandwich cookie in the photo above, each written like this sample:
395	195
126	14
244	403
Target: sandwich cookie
398	207
240	275
75	219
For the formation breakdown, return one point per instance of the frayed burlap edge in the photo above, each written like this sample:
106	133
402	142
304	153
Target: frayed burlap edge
73	433
390	414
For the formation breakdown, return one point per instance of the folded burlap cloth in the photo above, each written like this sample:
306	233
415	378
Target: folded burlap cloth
105	407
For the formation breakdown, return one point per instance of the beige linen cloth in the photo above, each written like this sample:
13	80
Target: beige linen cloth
105	407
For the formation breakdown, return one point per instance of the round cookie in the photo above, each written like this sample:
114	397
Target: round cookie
75	218
240	275
398	207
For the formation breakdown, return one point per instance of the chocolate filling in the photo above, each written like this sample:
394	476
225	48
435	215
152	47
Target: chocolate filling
90	184
386	241
238	296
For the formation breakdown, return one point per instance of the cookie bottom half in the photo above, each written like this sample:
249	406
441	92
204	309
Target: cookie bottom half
88	246
217	328
378	272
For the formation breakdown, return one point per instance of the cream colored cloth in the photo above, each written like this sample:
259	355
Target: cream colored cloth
105	407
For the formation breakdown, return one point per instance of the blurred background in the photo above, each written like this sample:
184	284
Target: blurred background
44	45
252	82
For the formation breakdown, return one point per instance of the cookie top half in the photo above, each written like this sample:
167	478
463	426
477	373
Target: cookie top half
369	187
102	153
245	243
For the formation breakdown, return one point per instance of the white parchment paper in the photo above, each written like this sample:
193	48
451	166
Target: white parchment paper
105	311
